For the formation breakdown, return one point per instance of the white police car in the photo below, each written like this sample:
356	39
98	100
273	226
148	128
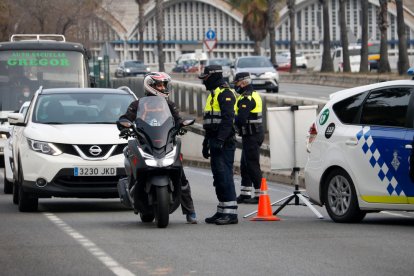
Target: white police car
360	148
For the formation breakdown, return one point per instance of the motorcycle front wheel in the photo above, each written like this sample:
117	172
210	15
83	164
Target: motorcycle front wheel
162	207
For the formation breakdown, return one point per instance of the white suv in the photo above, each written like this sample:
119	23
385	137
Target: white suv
68	145
361	158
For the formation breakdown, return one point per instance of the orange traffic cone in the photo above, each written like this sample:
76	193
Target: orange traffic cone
264	210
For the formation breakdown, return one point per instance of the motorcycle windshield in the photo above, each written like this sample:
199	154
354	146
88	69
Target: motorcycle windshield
155	120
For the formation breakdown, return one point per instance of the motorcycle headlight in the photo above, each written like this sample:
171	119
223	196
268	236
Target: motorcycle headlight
43	147
127	70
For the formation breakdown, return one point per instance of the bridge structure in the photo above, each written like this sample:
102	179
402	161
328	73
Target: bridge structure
186	23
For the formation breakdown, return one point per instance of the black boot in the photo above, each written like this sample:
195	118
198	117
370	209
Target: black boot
242	199
227	219
213	218
253	200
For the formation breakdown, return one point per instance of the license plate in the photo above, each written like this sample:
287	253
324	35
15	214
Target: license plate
258	81
93	171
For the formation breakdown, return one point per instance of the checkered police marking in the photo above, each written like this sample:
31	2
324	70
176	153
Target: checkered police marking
377	162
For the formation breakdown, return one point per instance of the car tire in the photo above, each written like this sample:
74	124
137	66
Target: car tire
340	198
8	185
276	90
15	193
27	201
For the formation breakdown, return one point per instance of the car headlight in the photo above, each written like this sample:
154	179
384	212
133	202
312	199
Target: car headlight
127	70
43	147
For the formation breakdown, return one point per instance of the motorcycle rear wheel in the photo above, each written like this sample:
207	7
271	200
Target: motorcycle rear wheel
162	207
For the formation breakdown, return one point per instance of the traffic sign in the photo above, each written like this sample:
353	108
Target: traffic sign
210	34
210	44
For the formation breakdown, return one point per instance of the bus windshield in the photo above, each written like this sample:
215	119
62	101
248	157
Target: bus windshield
23	71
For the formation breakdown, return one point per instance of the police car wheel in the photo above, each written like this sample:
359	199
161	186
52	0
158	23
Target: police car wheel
340	198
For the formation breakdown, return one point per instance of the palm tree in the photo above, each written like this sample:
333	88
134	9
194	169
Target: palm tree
327	64
159	15
255	20
141	27
403	63
384	65
344	37
364	39
292	12
271	13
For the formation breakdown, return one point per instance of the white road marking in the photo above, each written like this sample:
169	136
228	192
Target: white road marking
107	260
396	214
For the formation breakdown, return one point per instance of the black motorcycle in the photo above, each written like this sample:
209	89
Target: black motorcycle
153	162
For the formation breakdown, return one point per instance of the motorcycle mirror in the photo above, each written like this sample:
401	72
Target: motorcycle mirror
126	124
188	122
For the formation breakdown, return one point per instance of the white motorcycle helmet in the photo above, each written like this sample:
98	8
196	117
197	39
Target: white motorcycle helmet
158	84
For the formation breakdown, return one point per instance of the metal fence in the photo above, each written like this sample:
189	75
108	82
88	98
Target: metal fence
191	98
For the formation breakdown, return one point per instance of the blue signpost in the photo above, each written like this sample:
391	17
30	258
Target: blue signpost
210	40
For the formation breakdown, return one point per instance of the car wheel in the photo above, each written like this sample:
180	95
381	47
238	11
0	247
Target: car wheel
15	193
8	185
27	201
276	90
340	198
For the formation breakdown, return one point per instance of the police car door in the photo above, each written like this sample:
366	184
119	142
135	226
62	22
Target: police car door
382	140
409	147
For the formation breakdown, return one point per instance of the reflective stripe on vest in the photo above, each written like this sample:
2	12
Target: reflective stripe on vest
212	112
255	115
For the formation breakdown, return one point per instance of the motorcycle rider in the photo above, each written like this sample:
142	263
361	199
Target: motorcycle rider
159	84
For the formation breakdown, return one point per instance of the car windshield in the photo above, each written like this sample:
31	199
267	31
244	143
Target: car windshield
222	62
134	64
80	108
253	62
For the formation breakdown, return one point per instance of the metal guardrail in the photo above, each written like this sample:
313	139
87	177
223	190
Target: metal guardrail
191	98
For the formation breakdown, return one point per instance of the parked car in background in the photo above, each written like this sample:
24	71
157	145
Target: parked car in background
283	63
131	68
263	74
225	64
8	155
354	58
301	61
361	151
68	145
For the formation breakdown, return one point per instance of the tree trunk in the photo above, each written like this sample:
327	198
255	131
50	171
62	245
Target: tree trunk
256	48
364	40
159	15
384	65
292	47
141	29
344	37
272	25
327	64
403	63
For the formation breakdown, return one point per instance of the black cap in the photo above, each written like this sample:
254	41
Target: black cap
241	76
211	69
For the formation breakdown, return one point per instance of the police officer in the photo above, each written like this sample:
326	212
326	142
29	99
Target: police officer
159	84
249	126
219	142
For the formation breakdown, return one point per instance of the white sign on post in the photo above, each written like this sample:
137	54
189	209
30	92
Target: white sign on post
288	130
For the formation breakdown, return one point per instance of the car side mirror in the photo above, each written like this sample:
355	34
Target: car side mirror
16	119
